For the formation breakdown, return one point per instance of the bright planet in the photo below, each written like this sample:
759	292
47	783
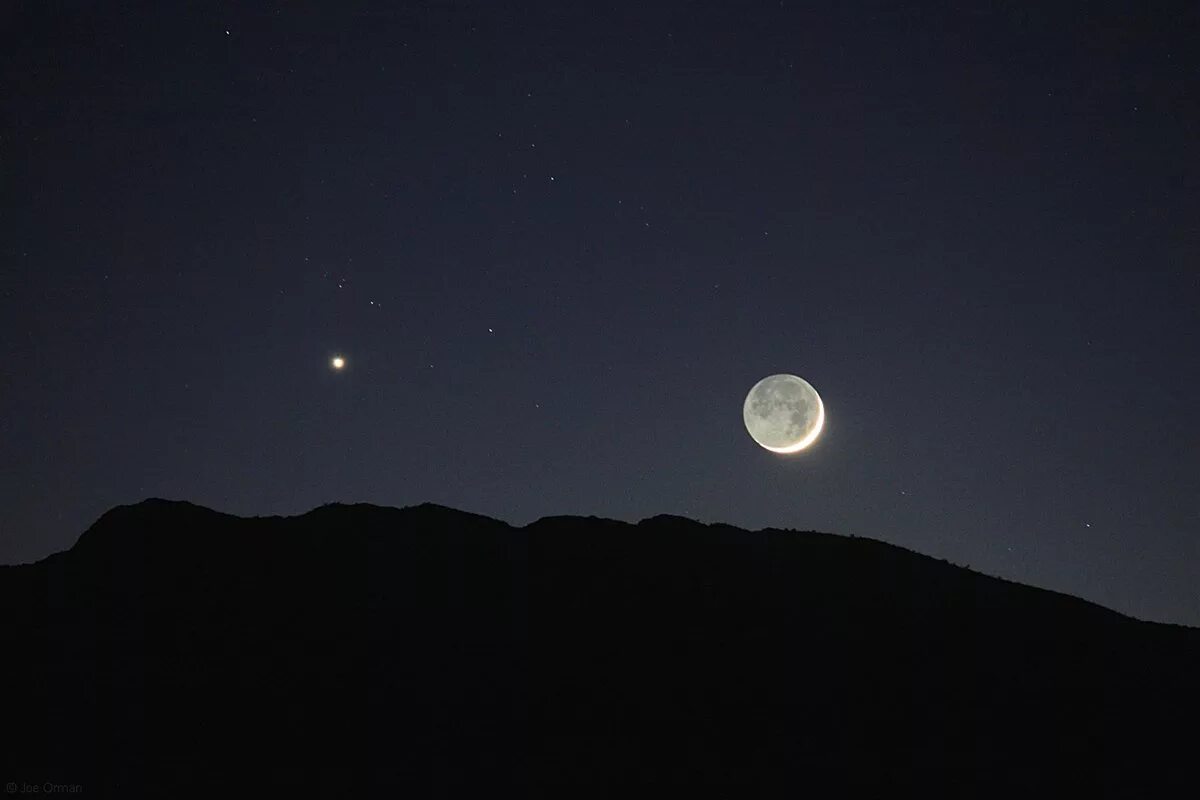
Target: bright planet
783	413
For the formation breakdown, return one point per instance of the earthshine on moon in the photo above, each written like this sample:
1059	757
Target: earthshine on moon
783	413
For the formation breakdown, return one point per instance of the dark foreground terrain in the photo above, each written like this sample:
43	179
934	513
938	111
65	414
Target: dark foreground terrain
358	651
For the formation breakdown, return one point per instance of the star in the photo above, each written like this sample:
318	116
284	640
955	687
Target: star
337	362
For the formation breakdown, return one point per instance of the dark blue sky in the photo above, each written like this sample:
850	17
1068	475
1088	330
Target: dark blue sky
557	245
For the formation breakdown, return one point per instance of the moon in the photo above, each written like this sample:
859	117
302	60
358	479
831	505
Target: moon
783	413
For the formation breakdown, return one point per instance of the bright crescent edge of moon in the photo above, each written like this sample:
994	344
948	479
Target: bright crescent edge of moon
807	440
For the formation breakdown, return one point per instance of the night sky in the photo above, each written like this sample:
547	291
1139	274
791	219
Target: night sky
557	243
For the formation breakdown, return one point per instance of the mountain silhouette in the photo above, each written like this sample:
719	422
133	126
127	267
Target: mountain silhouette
357	650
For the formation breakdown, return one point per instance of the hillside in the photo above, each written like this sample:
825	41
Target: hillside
429	652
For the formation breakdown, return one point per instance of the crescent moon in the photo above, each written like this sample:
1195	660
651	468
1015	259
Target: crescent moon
783	413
